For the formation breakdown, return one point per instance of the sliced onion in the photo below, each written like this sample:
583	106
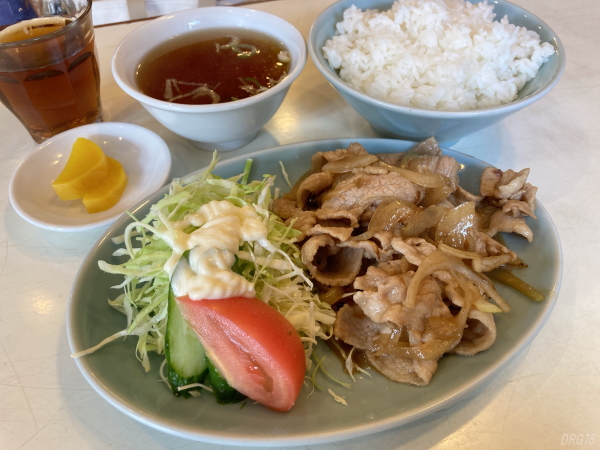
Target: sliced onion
438	260
333	295
432	349
425	179
436	195
294	190
444	328
389	213
454	226
479	263
462	254
447	331
350	162
470	295
418	223
391	340
484	306
489	263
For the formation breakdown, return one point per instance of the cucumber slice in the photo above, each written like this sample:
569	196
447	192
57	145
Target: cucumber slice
186	359
223	392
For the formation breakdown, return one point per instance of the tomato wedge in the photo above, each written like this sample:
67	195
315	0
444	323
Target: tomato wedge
255	348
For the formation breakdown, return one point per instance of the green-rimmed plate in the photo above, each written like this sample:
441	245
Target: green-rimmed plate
373	404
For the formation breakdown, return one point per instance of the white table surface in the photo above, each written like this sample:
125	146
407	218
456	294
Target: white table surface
547	395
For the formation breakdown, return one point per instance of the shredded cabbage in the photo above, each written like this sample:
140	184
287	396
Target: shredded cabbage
279	277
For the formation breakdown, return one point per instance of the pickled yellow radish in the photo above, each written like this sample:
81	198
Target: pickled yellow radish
108	191
86	167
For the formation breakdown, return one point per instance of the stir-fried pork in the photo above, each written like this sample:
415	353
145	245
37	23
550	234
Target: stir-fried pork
412	247
330	264
479	335
508	223
312	187
362	190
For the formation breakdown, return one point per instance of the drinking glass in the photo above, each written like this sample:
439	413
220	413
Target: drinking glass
49	75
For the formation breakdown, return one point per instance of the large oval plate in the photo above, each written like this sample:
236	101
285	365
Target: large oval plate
374	404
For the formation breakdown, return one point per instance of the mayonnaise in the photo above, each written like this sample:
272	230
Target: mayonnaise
224	227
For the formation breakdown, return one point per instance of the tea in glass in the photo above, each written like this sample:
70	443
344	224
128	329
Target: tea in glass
49	76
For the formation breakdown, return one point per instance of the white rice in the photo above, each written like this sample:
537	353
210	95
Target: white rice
435	54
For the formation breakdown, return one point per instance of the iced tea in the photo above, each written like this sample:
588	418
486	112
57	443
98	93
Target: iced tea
49	75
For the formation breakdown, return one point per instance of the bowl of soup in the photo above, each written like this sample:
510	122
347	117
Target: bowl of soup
213	75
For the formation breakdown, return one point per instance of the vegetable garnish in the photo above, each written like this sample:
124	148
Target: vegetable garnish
254	347
278	274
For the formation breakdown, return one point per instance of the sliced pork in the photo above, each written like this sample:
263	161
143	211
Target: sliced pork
417	270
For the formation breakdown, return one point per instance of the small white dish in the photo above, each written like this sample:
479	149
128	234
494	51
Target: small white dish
144	155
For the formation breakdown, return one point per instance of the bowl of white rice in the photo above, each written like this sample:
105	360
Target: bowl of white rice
444	68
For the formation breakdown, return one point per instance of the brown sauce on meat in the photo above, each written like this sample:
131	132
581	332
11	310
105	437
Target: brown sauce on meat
358	356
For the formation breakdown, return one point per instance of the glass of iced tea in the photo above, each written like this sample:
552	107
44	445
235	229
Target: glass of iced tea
48	67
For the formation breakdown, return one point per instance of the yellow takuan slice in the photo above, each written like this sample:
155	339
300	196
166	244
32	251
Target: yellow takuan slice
108	192
86	168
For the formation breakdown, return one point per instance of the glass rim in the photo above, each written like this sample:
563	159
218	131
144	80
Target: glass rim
51	35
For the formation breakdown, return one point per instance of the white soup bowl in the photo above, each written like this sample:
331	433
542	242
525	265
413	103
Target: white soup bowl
220	126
